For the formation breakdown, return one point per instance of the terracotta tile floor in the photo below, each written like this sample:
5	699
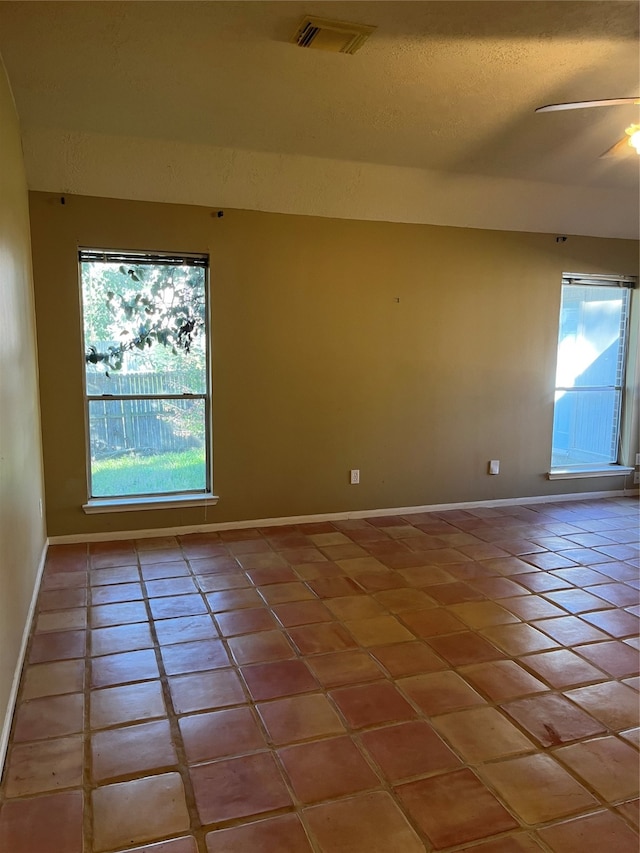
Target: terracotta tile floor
450	681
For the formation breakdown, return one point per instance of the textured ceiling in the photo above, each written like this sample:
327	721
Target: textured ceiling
444	86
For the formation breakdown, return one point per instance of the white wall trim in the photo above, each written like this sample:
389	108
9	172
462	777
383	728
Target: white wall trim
17	675
111	535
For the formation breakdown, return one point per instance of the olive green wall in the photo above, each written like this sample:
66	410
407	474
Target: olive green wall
414	353
22	534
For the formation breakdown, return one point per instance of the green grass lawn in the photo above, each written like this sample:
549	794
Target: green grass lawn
137	475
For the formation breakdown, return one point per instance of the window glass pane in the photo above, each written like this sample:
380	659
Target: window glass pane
144	328
590	344
147	446
585	427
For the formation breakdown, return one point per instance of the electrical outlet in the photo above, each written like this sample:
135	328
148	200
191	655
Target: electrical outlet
494	466
354	476
637	460
636	478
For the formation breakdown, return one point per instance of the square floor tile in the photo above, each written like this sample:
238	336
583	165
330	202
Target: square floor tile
482	734
206	691
62	620
120	638
62	599
591	834
372	704
196	656
57	645
519	639
378	631
408	658
51	679
141	810
480	614
178	605
453	593
45	765
170	586
368	823
354	607
499	588
278	678
322	637
616	705
464	648
49	716
118	614
409	749
121	668
335	587
399	600
537	788
562	668
155	571
439	692
569	630
607	765
299	718
116	593
552	719
263	646
283	834
113	706
48	824
302	613
219	734
220	582
238	787
184	629
502	679
618	623
529	607
281	593
615	658
575	600
454	808
326	769
339	668
132	749
431	623
237	622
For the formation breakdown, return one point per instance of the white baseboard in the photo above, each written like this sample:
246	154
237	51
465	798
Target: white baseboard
17	675
147	533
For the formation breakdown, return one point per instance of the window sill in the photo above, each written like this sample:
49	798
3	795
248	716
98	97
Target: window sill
588	471
97	505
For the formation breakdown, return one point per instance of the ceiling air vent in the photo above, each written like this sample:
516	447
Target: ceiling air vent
334	36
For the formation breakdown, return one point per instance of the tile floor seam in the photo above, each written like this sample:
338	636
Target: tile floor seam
176	738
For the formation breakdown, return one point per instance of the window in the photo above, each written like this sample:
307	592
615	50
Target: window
592	345
145	319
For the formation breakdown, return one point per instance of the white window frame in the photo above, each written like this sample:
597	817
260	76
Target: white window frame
617	467
166	500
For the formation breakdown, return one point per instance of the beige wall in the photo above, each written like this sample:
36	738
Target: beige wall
415	353
22	534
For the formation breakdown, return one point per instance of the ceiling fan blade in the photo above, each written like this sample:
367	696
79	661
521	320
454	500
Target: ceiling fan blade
579	105
621	147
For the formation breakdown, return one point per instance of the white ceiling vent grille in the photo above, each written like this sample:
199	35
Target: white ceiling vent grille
334	36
